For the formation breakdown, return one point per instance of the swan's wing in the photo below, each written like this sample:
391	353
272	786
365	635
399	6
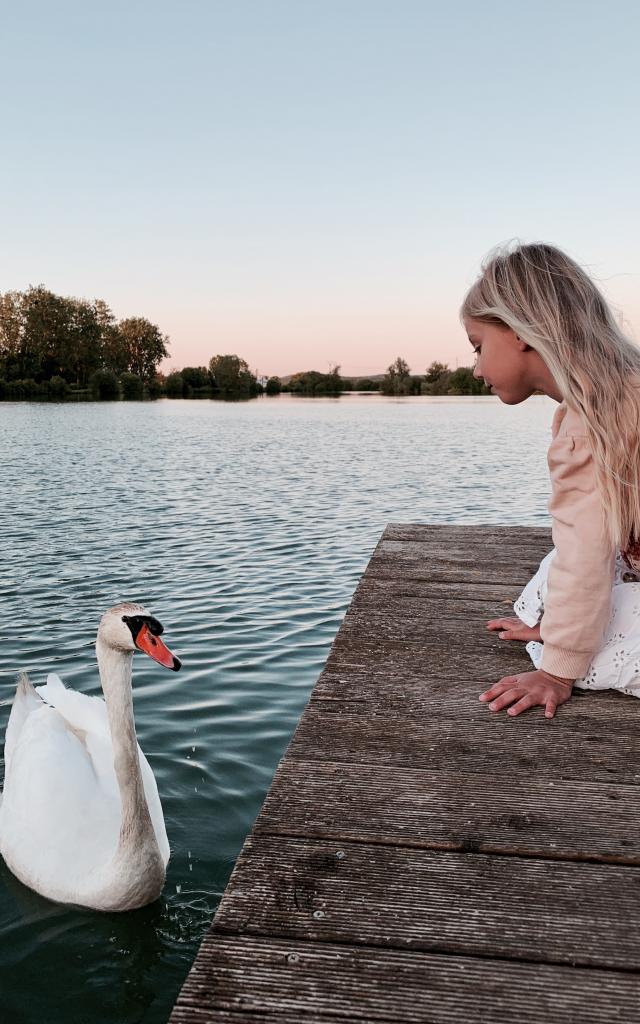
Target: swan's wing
84	713
88	715
56	824
25	701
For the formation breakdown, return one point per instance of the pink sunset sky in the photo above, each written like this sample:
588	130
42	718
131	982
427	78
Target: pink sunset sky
312	184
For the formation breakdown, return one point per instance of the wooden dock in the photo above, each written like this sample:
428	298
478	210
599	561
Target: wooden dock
418	858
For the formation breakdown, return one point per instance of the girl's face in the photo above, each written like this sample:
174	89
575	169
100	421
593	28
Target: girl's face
507	363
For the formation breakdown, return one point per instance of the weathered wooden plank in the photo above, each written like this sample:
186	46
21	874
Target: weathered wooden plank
186	1012
504	907
455	558
389	566
459	657
426	696
463	544
472	575
453	810
462	550
475	594
374	625
475	611
480	533
271	976
471	739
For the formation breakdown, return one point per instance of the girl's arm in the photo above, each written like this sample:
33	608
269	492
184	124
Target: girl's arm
580	579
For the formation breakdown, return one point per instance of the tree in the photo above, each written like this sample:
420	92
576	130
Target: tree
435	371
436	381
398	379
155	386
58	388
132	388
174	385
89	321
335	383
312	382
274	386
11	332
232	377
115	354
47	341
104	385
462	382
196	377
140	345
366	384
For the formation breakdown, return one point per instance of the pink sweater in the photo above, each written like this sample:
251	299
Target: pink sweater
580	580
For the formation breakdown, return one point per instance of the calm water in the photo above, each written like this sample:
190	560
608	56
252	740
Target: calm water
244	529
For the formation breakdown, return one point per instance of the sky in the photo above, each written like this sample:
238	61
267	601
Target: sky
314	182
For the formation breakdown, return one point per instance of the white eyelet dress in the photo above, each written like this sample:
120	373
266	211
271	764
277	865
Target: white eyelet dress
616	666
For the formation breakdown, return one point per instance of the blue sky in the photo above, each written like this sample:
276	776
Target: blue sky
315	181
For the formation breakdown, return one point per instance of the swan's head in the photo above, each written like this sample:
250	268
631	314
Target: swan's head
130	627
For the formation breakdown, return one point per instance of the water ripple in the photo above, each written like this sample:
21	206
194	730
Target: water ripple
244	528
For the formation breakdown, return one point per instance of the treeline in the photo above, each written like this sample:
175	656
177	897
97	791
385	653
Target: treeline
227	376
439	379
57	347
52	346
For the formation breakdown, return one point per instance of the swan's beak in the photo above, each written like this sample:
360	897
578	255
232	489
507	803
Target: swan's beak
154	647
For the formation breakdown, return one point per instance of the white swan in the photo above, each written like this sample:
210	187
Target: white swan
80	819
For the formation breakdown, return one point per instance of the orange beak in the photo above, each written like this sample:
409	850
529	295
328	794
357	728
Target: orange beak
154	647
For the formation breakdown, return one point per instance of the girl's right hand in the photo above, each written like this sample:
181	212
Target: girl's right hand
515	629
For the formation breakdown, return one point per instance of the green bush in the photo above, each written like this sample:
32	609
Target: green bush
131	385
174	385
104	385
312	382
58	389
195	377
25	389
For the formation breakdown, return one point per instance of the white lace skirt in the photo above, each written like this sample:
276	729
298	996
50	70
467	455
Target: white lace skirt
616	666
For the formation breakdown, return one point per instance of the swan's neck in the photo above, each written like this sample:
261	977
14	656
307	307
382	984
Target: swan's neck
115	675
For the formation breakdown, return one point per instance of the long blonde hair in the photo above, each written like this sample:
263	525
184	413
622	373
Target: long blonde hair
552	304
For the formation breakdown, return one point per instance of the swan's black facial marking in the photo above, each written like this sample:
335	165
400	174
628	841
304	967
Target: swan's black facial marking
136	622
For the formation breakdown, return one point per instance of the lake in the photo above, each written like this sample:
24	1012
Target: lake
244	528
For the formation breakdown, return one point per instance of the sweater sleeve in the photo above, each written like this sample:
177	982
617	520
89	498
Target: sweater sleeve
580	578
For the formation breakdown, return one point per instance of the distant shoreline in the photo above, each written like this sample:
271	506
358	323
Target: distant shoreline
285	395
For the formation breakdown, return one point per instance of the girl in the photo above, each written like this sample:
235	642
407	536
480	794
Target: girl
537	322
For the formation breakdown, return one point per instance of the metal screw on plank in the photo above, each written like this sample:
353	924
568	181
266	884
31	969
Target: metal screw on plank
293	958
340	854
318	914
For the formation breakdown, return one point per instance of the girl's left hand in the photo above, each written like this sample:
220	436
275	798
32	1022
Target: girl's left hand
527	689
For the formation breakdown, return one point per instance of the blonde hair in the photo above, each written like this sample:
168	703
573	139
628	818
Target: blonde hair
552	304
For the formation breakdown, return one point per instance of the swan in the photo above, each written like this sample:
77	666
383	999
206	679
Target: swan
80	818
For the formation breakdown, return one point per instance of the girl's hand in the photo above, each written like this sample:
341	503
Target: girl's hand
526	690
515	629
